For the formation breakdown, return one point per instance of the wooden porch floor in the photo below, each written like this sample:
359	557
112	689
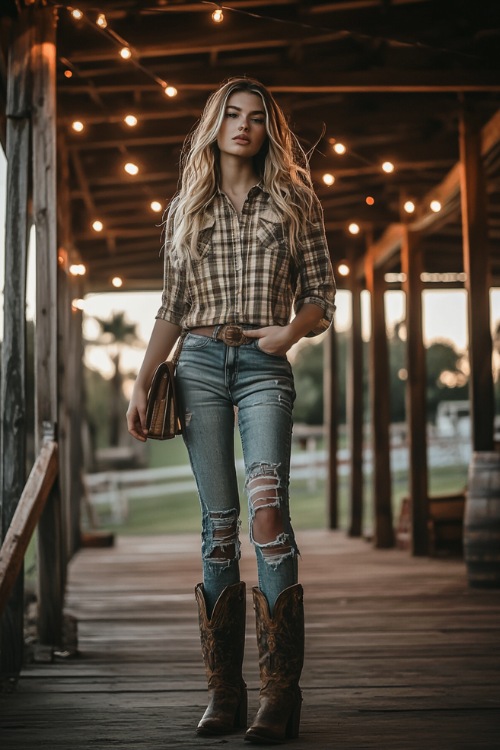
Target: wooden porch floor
400	653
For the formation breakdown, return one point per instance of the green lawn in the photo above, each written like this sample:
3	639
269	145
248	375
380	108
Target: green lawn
175	514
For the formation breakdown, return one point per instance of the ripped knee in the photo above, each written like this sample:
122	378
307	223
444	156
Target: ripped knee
267	530
225	545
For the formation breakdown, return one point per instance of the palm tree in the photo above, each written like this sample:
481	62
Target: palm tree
116	334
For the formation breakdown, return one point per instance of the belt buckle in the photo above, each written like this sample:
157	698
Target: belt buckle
233	335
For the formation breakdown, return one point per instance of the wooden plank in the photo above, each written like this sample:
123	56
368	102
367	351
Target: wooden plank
26	517
416	391
330	390
13	387
51	552
477	267
355	405
383	531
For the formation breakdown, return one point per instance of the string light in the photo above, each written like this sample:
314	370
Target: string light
130	120
131	168
435	206
388	167
101	21
97	226
77	269
77	304
409	207
343	269
77	14
77	126
170	91
68	73
354	228
328	179
156	206
117	282
126	53
339	148
218	16
369	200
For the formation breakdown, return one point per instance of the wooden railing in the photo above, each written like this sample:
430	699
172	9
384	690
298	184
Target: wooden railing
28	512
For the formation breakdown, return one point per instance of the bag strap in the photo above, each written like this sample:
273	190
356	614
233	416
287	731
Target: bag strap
177	351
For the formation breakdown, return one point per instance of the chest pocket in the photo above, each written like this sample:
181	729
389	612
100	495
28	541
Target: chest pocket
205	236
270	232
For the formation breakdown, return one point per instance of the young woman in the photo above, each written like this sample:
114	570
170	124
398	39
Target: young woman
245	246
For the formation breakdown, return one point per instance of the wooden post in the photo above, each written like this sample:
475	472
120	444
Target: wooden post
51	554
380	407
354	389
477	268
330	389
416	401
13	395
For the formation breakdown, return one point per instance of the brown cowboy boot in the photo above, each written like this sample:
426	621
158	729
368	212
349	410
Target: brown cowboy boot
281	655
222	645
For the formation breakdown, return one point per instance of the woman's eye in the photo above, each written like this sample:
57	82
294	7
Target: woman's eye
231	114
260	122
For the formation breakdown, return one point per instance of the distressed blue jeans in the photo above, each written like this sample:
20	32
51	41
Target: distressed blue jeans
212	380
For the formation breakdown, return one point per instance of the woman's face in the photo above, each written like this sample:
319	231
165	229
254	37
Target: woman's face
243	129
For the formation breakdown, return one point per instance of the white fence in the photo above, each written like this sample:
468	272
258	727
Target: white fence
115	489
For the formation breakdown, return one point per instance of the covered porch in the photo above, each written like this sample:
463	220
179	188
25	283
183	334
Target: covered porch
400	652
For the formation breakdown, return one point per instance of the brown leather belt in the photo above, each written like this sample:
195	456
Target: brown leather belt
230	334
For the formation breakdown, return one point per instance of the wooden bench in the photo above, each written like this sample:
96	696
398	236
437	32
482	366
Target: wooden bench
444	524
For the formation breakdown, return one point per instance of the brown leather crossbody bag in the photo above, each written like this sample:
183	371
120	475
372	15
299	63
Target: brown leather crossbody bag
162	408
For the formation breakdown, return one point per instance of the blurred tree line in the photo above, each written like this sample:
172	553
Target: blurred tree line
447	377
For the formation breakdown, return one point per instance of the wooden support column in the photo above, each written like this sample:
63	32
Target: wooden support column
354	388
416	401
477	268
51	551
380	407
13	390
330	390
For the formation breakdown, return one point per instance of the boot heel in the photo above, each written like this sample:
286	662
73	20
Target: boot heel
293	724
241	717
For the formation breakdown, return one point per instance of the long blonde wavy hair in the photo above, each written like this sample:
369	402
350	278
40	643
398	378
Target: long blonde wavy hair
281	165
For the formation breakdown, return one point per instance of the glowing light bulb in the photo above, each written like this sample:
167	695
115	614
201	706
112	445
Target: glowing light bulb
131	168
77	14
117	282
68	73
101	21
388	167
77	304
354	228
343	269
435	206
97	226
130	120
218	16
77	269
126	53
77	126
328	179
156	206
170	91
339	148
369	200
409	207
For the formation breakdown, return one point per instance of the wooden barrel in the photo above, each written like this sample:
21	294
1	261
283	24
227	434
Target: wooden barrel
482	521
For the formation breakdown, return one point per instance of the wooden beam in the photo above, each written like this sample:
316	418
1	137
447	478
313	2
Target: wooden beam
28	512
51	554
354	390
416	390
477	268
380	407
330	391
13	386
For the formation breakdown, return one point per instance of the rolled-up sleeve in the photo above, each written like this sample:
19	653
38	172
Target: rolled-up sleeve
315	281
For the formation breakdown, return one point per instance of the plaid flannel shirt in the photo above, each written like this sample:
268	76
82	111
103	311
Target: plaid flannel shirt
246	273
